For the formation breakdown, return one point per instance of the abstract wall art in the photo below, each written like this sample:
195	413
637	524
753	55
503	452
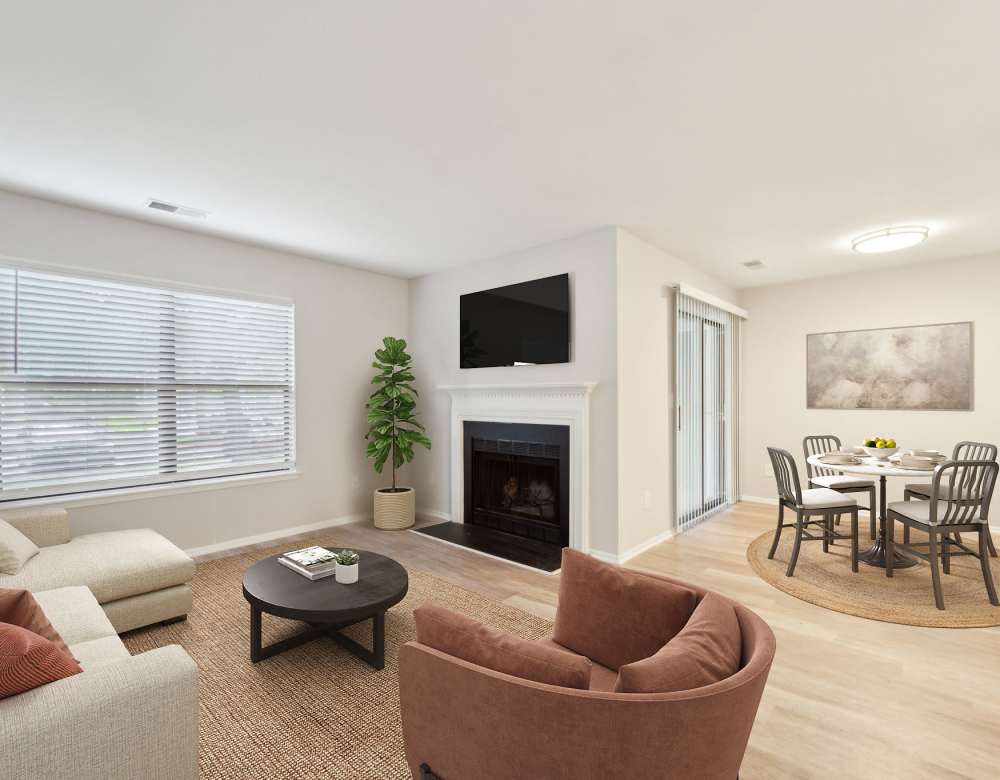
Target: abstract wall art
917	367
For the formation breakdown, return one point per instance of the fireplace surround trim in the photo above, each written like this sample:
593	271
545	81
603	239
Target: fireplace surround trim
545	404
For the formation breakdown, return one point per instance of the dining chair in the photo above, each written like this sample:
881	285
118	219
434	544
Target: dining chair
964	450
960	497
808	504
829	478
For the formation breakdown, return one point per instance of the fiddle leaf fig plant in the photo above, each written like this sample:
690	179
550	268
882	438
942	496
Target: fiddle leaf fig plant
393	428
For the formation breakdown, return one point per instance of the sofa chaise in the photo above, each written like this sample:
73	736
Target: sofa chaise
136	575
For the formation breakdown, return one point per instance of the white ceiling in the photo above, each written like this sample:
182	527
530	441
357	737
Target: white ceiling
412	136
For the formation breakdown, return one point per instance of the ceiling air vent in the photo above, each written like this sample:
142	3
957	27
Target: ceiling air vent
754	265
173	208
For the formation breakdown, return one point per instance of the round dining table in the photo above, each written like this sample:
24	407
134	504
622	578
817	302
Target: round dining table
881	468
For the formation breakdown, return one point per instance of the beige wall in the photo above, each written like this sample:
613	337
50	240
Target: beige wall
341	315
646	406
774	365
434	338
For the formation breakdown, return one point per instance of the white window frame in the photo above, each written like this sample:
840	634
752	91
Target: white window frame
109	490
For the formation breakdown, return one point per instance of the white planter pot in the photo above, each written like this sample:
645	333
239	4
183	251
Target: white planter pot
347	575
394	511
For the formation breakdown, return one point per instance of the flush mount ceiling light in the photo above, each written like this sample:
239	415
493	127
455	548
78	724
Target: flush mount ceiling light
889	239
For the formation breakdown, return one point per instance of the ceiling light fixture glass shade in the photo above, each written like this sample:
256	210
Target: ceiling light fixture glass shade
889	239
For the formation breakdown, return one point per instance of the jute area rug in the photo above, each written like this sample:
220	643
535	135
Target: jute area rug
312	712
827	581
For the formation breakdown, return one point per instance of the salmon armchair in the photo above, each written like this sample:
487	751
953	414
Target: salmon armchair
462	721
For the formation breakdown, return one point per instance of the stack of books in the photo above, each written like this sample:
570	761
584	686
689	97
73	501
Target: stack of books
315	563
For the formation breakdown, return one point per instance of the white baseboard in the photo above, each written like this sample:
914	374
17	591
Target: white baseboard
643	546
633	551
759	500
603	556
434	514
270	536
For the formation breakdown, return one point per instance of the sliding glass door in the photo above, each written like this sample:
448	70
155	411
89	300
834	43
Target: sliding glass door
706	366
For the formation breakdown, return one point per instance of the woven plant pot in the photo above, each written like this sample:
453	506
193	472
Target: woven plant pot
394	511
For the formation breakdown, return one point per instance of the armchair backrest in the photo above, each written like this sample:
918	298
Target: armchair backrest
786	475
961	491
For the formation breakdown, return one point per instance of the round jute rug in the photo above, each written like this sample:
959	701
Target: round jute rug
827	581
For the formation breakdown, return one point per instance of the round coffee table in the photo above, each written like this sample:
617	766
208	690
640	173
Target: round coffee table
326	605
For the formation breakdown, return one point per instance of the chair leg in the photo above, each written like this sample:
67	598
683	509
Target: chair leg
946	552
932	557
984	562
838	519
777	531
827	530
890	544
906	534
871	513
989	541
854	540
795	547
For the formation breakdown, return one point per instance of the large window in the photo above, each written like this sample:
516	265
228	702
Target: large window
109	385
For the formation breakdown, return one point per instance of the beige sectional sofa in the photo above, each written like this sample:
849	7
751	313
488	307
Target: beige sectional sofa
123	717
137	576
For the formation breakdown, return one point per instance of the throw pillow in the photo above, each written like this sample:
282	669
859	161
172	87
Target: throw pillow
615	616
479	644
16	549
19	608
28	660
707	650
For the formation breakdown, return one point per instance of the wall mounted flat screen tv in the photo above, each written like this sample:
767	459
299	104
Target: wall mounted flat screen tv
520	324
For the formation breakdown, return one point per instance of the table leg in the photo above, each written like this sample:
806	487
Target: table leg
374	657
875	555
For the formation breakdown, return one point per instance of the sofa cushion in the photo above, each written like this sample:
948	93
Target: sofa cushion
16	549
99	652
472	641
707	650
18	607
114	565
75	614
614	616
44	525
28	660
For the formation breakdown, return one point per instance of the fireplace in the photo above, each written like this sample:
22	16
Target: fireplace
517	479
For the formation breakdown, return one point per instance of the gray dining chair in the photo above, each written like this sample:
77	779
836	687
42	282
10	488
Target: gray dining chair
820	502
964	450
829	478
960	497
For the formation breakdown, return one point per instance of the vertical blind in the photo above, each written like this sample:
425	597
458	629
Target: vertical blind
706	378
108	385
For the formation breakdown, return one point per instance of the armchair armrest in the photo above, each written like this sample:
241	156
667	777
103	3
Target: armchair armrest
137	717
45	526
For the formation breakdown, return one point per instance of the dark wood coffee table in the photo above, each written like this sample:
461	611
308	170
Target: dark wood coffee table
326	605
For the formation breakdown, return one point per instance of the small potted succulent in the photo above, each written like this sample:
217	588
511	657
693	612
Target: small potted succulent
347	567
393	430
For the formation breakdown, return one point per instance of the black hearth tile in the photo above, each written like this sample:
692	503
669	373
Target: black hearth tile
529	552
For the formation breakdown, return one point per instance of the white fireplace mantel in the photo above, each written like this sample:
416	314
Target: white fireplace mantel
543	404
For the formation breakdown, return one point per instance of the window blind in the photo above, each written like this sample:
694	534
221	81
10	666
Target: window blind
707	393
108	385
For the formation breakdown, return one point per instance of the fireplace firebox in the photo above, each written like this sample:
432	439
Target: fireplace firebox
517	479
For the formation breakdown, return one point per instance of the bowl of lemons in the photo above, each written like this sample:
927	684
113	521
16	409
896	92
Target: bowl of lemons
880	448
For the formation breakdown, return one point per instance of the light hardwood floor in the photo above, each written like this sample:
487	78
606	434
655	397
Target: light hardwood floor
846	698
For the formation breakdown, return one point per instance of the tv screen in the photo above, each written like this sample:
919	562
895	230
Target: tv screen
521	324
